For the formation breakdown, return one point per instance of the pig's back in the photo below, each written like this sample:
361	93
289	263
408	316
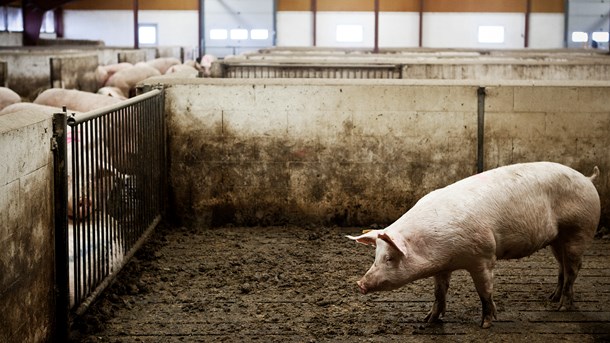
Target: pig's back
521	207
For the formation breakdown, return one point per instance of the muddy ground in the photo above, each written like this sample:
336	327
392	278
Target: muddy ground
297	284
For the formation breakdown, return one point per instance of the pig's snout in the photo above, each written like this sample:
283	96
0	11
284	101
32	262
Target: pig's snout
361	286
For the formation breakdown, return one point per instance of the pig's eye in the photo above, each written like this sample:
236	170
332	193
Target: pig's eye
388	258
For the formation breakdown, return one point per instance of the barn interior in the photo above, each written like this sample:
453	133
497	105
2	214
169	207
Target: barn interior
208	199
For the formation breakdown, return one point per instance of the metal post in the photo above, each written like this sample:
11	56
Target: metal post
480	129
136	31
32	22
60	191
421	23
376	48
528	10
314	14
201	28
274	37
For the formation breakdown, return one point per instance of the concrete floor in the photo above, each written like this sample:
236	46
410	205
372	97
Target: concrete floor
296	284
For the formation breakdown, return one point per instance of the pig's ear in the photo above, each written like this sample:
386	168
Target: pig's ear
368	238
397	244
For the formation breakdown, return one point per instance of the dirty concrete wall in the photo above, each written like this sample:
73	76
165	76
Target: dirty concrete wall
75	72
28	71
563	122
322	151
356	152
26	228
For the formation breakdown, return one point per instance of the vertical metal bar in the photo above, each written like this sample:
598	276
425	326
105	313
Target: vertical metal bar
201	28
77	220
314	14
87	215
421	23
274	35
526	35
376	48
480	128
60	193
136	33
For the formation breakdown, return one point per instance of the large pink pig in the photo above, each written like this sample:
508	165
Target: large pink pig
505	213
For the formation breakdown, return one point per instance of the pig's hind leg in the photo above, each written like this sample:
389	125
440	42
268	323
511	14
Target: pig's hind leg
558	253
483	281
441	285
568	250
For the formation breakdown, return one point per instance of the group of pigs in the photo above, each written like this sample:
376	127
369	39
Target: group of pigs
120	79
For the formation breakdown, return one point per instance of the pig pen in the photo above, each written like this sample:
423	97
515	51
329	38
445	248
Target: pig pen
326	158
297	284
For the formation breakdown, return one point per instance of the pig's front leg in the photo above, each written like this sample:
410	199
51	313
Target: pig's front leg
483	281
441	285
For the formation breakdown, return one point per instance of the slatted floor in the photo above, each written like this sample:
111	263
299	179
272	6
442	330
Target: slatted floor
297	284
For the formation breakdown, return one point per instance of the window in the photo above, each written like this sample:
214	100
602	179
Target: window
350	33
491	34
600	37
219	34
580	37
147	34
239	34
259	34
48	22
11	19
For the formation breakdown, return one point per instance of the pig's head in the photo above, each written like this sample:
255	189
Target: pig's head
393	266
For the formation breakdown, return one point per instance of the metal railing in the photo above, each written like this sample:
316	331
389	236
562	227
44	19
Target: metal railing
113	176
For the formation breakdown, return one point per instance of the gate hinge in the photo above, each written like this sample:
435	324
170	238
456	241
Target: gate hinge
53	143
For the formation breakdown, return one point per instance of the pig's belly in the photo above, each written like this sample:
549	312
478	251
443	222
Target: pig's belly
522	243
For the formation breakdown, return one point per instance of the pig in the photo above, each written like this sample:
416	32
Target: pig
28	106
8	97
162	64
127	79
182	70
112	92
103	73
505	213
206	64
74	100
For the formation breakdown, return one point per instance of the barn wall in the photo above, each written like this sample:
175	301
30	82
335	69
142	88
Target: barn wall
115	27
440	29
26	228
447	24
356	152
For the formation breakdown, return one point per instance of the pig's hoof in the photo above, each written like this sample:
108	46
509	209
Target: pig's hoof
486	324
566	308
432	317
556	296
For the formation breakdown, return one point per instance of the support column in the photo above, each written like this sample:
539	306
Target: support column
136	31
376	48
32	22
314	14
421	23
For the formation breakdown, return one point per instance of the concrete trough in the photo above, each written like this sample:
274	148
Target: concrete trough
417	64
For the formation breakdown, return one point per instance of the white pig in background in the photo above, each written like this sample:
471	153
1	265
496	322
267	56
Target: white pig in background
504	213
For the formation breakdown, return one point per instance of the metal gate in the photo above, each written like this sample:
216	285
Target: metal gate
109	195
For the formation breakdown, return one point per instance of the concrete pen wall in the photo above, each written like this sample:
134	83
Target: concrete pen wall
26	228
356	152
